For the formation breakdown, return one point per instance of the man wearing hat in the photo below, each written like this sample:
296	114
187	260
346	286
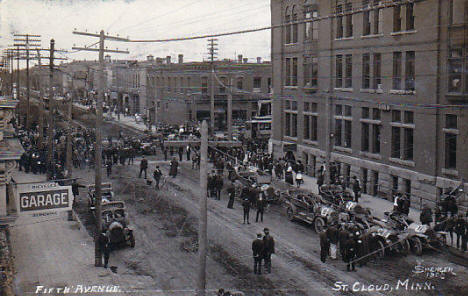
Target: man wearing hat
268	249
258	249
356	189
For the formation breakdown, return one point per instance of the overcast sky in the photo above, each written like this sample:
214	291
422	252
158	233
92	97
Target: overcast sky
141	19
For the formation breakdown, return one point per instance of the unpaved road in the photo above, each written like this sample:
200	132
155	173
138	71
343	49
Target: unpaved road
166	226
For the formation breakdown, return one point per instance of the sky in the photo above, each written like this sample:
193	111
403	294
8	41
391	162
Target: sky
141	19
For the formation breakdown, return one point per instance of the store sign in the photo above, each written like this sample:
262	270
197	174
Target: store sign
43	198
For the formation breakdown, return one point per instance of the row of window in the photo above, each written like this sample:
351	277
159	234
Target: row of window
402	130
372	20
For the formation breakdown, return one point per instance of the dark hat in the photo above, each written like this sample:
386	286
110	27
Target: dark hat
266	230
259	235
157	166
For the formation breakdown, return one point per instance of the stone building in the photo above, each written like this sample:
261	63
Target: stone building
380	87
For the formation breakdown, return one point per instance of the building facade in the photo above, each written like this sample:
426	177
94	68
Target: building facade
180	92
379	87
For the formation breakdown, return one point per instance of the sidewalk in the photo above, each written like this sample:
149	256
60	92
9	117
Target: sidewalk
54	253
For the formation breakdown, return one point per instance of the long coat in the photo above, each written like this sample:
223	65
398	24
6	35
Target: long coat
173	169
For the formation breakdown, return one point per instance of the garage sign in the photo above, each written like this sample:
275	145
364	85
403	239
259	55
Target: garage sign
43	198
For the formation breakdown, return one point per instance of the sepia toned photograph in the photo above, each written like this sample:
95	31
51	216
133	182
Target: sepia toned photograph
233	147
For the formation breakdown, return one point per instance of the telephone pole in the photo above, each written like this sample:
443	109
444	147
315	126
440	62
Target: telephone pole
229	109
212	51
28	42
50	118
41	101
202	228
98	145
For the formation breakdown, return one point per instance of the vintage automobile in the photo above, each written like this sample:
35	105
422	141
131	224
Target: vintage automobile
251	175
309	208
115	222
387	240
106	193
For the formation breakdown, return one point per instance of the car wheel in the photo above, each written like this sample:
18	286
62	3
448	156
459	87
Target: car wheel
319	224
290	214
380	249
416	245
405	247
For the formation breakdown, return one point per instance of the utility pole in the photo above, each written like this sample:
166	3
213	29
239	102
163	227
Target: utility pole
202	226
229	109
98	145
69	152
50	118
212	51
28	42
41	101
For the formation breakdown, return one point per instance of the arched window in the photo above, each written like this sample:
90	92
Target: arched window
294	26
287	26
240	83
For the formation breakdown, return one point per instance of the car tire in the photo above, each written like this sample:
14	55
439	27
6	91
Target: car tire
319	224
416	246
380	249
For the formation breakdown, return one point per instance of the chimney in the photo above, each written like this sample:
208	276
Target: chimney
150	58
246	60
259	60
159	61
168	60
239	59
181	58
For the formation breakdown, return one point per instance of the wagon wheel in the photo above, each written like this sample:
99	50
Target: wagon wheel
380	249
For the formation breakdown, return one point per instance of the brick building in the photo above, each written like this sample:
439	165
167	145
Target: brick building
180	92
369	83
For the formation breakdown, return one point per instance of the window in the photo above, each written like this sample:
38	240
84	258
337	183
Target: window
310	72
311	27
294	125
396	137
314	107
313	128
459	12
397	18
349	19
450	151
257	82
396	116
397	70
451	141
338	131
348	133
189	85
377	19
339	21
365	71
288	125
349	71
408	144
307	127
288	26
409	117
306	107
410	16
339	71
394	185
365	112
204	85
287	105
366	30
376	138
365	137
451	121
338	110
288	72
294	105
377	71
294	72
375	114
240	83
294	25
348	111
455	70
410	70
407	183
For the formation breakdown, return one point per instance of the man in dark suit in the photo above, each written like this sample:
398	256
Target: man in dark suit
258	249
268	249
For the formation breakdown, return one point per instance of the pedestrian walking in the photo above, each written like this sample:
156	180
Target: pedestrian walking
219	185
260	208
173	168
157	177
350	253
104	246
333	238
188	151
143	166
258	252
356	189
181	153
269	248
460	230
109	167
231	191
324	246
246	207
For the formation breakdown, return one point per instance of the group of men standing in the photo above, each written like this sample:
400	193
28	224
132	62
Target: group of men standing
262	248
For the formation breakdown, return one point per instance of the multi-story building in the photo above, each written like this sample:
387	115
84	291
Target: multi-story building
180	92
379	87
